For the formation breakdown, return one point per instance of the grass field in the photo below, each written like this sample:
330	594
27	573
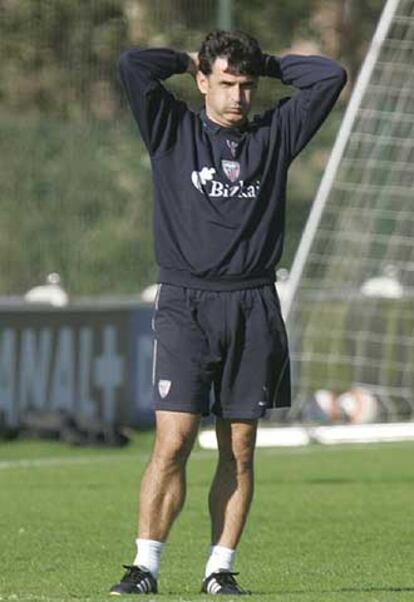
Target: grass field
327	524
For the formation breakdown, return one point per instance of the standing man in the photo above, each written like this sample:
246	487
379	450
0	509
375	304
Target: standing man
219	212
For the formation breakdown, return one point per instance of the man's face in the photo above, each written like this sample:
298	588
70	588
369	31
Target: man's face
228	97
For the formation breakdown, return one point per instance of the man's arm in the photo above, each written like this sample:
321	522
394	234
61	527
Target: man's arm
156	111
193	63
319	81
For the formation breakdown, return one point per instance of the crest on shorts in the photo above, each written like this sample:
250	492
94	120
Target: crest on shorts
164	387
231	169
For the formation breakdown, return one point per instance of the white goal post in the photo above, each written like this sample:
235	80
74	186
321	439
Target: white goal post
350	295
337	153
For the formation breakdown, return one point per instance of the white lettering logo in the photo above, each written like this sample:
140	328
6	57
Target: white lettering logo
164	387
200	178
62	368
205	183
217	189
231	169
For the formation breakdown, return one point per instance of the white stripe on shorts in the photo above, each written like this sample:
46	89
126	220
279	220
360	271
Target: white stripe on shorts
154	361
154	349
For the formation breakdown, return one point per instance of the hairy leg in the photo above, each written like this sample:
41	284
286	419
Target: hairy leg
163	485
232	488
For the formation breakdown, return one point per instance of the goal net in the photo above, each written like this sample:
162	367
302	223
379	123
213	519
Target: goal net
350	306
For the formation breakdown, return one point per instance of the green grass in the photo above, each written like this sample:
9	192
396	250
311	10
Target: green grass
327	524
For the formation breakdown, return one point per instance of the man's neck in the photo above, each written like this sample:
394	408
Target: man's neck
216	121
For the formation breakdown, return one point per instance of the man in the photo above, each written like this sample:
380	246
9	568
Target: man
219	211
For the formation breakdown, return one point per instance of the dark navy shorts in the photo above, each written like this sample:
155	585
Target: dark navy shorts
231	342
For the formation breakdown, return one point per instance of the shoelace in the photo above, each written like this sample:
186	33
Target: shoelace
132	573
227	578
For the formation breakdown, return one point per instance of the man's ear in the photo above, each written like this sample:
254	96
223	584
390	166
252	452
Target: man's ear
202	82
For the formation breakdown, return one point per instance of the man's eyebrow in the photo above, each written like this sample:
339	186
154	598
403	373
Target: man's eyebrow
250	78
224	80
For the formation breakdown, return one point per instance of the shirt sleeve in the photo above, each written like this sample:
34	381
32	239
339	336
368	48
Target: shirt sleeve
156	111
319	81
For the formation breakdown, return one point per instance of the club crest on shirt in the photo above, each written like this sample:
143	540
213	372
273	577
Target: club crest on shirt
164	387
231	169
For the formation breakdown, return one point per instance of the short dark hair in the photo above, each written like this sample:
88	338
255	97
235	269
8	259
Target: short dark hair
241	50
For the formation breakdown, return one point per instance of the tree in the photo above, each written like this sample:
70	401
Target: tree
76	183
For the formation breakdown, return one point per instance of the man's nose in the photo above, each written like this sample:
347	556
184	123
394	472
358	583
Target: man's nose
237	94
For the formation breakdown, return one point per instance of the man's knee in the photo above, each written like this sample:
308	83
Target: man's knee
236	446
236	461
174	439
173	452
237	456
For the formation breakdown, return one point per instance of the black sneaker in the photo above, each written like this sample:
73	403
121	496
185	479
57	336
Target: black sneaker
223	582
137	580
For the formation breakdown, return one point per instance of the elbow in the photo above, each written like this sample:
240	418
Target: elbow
341	76
334	71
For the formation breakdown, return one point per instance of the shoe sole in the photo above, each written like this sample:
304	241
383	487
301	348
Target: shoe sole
131	594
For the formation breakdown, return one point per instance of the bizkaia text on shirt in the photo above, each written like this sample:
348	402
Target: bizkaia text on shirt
205	183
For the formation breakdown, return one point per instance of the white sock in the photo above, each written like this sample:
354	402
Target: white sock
148	555
219	558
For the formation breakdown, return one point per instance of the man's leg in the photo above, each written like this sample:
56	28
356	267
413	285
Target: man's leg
231	491
163	485
229	502
162	496
232	488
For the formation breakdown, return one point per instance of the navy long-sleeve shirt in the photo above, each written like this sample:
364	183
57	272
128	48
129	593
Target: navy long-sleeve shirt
220	193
